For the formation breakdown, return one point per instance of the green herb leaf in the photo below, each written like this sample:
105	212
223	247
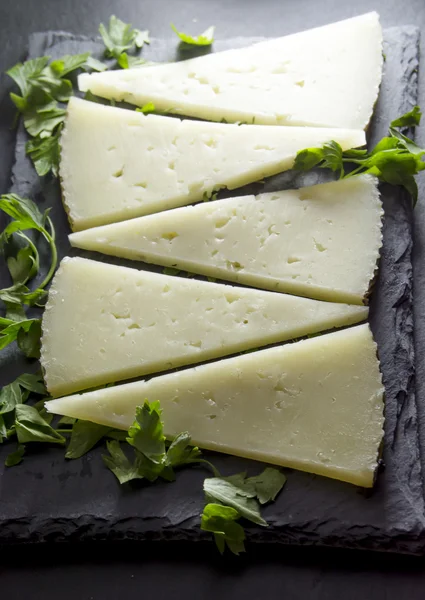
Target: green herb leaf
120	37
146	108
146	433
220	520
180	452
24	74
3	430
204	39
234	492
123	469
31	427
45	153
268	484
94	64
26	333
68	63
85	435
10	396
32	383
409	119
308	158
14	458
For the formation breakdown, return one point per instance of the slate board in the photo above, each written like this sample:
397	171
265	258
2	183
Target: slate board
50	499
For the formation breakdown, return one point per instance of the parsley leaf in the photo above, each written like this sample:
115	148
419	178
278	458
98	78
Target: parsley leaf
14	458
151	458
146	108
204	39
409	119
395	159
84	436
45	153
31	427
120	37
234	497
235	492
23	266
220	520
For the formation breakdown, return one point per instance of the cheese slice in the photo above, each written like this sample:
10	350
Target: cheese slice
321	241
105	323
316	405
117	164
328	76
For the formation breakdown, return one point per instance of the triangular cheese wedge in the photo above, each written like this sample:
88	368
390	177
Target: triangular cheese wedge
117	164
105	323
316	405
304	241
326	77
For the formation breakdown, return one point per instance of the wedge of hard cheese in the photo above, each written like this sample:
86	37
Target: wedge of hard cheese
105	323
117	164
316	405
321	241
327	76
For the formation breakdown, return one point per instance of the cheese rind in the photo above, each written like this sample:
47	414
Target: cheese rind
105	323
328	77
316	405
321	241
118	164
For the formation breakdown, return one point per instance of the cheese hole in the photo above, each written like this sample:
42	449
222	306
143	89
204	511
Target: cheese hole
125	315
211	143
245	321
142	184
300	83
234	265
274	198
197	344
134	326
263	147
102	350
212	416
195	186
230	298
221	222
303	195
172	165
186	92
169	235
214	252
150	148
295	276
165	289
119	173
282	68
191	75
319	246
287	222
329	221
292	259
216	89
174	141
112	148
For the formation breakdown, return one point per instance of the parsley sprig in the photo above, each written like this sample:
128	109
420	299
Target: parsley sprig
395	159
204	39
45	89
119	38
23	262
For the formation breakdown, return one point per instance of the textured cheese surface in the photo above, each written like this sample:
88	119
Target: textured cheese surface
105	323
316	405
327	76
118	164
321	241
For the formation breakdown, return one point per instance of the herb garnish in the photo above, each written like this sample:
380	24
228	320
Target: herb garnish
395	159
204	39
118	38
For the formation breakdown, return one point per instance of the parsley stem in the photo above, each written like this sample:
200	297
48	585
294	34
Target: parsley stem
51	240
215	471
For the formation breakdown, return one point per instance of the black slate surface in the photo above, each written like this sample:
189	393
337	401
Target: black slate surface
49	499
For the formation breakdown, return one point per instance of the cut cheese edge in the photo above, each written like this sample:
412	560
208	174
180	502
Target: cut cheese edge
326	77
118	164
321	241
316	405
105	323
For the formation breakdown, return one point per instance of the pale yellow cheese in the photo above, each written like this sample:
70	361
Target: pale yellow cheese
105	323
321	241
118	164
315	405
328	76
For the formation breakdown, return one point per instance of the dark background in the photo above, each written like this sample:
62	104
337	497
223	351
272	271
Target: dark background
164	570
